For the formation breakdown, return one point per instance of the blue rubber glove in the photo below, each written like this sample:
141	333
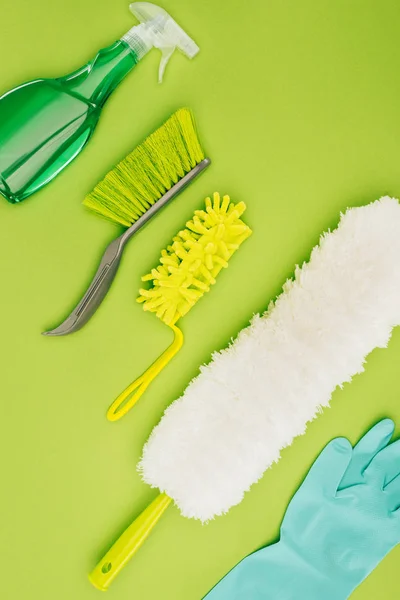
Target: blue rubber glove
340	524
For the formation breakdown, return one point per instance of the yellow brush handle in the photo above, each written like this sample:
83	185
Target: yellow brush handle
126	400
129	542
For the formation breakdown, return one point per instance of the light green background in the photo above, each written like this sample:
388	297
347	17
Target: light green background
297	104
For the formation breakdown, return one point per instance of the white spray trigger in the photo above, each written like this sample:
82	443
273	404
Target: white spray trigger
163	32
166	54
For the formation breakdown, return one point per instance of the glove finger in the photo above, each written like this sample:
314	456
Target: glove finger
370	444
392	490
386	464
327	471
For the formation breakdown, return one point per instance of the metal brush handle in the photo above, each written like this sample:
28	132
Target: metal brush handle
111	259
96	292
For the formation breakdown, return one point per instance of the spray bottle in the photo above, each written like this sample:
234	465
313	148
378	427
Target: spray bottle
44	124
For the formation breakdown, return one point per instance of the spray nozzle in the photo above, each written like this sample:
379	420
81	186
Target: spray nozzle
160	30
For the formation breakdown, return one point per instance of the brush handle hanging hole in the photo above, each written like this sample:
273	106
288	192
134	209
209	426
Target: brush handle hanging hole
106	568
128	398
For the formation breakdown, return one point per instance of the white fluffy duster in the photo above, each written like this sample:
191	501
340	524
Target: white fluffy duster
254	397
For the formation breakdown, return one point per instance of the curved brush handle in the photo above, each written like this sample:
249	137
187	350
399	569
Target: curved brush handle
127	399
96	292
112	257
129	542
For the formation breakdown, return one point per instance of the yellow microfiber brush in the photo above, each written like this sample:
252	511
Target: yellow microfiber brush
187	269
135	190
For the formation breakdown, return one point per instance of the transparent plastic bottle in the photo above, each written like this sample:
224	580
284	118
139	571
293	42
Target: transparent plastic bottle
45	123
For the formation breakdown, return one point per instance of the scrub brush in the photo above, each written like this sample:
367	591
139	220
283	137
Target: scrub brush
135	190
256	396
187	270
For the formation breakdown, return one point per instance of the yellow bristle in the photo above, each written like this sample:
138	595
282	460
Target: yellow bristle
220	232
148	172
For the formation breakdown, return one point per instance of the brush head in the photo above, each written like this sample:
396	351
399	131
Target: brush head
190	265
149	171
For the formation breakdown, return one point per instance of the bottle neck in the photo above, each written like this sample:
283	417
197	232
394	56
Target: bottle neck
96	80
139	40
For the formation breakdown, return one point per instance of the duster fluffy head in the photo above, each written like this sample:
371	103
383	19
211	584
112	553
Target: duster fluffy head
254	397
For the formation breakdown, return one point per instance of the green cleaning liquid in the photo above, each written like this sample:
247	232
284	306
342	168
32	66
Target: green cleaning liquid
44	124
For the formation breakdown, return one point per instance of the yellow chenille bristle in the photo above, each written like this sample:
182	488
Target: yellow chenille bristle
190	265
149	171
